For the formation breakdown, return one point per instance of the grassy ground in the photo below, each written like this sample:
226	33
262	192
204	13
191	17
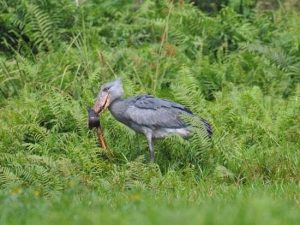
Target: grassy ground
237	67
208	203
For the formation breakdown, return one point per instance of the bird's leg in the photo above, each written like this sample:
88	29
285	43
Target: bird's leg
151	149
138	143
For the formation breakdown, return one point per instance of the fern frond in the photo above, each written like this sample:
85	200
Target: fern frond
40	27
7	177
277	56
187	91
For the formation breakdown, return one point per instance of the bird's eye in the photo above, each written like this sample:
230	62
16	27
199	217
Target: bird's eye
105	89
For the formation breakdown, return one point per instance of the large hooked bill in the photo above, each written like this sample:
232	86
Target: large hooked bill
101	103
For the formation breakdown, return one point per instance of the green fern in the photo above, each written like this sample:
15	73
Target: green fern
277	57
40	27
187	91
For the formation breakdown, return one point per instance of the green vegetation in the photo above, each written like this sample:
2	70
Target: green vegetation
237	66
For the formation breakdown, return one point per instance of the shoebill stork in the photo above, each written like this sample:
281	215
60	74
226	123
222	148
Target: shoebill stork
151	116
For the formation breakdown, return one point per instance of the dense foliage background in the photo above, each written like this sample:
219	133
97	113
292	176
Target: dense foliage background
234	62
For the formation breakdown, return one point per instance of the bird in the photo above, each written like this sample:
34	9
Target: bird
154	117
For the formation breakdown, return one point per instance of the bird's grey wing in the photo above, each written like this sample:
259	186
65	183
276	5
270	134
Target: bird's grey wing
155	113
150	102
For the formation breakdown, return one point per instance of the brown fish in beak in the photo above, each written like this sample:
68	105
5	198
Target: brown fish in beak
94	122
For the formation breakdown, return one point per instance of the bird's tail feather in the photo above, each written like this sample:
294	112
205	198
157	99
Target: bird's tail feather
208	127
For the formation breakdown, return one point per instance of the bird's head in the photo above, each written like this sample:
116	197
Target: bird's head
108	93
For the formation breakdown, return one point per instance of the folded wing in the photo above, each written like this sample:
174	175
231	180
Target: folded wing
153	112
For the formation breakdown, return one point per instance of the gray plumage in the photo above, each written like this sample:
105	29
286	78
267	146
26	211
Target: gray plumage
151	116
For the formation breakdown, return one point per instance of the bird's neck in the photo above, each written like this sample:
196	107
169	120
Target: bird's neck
116	106
115	102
